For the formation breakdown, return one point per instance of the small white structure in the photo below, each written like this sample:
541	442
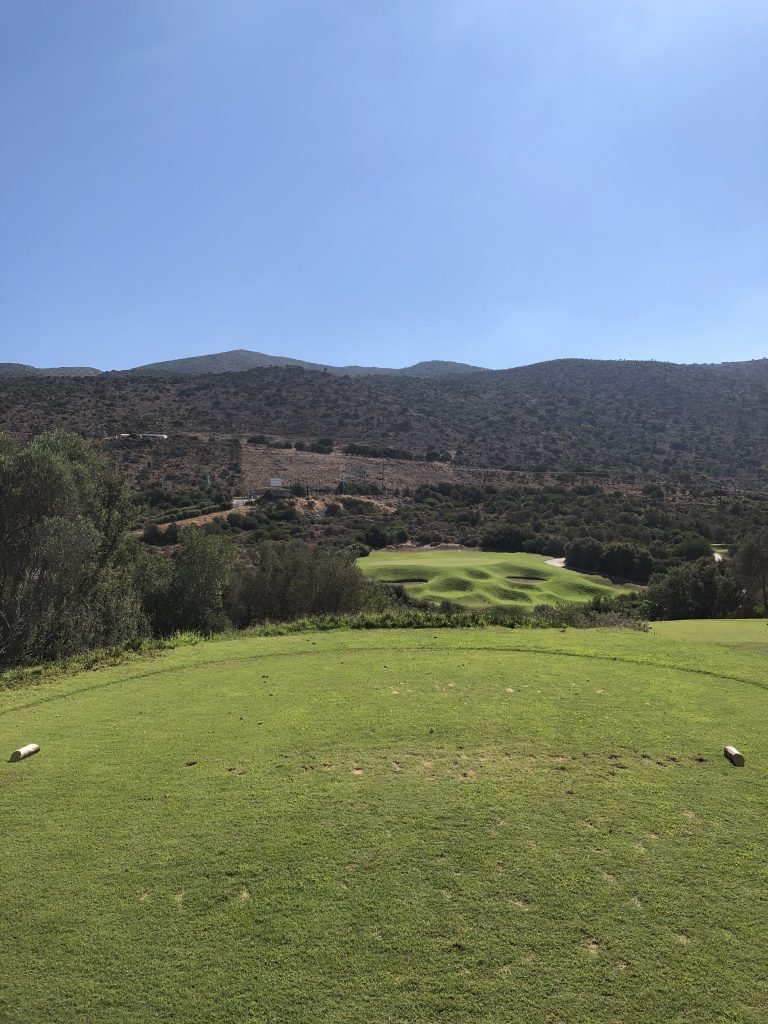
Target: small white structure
140	437
734	756
276	481
22	752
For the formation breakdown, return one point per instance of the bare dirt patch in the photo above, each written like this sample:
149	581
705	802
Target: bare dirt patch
260	463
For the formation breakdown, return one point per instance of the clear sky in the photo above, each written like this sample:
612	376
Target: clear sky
383	181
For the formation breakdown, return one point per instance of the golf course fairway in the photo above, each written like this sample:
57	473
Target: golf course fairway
375	827
485	579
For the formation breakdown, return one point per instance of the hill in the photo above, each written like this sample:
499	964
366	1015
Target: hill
23	370
699	425
243	359
454	825
236	361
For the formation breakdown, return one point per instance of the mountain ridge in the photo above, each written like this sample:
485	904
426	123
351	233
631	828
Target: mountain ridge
696	424
240	360
25	370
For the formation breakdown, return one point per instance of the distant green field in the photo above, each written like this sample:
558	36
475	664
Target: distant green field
398	827
742	634
482	579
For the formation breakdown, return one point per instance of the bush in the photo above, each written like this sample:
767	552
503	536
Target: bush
692	548
376	537
188	592
584	553
291	579
507	538
704	589
322	447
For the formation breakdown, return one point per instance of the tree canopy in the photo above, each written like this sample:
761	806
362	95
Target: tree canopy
65	582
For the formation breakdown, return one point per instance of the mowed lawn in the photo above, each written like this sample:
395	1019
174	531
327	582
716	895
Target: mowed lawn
483	579
392	826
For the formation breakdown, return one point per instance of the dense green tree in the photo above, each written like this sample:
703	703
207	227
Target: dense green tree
66	581
191	594
506	538
752	560
376	537
692	548
704	589
626	561
584	553
291	579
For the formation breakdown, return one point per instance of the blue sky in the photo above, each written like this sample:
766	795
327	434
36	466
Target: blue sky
383	181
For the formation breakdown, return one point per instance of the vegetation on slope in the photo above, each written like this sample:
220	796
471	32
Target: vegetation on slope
533	520
697	424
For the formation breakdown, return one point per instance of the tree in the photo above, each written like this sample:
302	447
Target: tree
191	594
66	579
697	590
506	538
626	561
584	553
291	579
752	561
376	537
693	547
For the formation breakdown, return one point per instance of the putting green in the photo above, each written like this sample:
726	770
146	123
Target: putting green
391	826
483	579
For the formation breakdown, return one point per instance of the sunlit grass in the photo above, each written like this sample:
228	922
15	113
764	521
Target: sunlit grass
393	826
481	579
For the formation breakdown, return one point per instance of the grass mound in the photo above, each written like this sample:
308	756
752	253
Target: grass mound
450	584
392	826
478	574
481	579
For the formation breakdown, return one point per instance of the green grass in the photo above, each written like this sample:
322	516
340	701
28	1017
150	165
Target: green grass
482	579
394	826
741	634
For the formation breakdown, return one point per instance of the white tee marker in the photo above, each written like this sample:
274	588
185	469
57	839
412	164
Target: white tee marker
22	752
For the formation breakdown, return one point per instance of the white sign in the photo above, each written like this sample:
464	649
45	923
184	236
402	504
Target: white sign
276	481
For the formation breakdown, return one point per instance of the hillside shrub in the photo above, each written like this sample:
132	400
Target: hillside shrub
506	538
292	579
704	589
